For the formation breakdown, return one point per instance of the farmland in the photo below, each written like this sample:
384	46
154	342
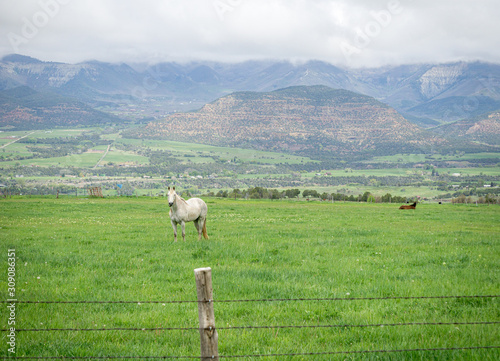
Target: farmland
122	249
69	160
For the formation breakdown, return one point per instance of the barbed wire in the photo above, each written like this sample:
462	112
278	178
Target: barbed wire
96	357
367	325
362	352
256	300
98	302
258	327
255	355
356	298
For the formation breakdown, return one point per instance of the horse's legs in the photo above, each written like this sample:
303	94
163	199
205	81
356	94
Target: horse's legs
174	226
198	228
183	227
204	228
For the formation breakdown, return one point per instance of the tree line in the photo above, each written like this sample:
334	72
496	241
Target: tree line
270	193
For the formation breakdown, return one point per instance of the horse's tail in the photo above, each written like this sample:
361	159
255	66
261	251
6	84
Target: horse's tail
205	234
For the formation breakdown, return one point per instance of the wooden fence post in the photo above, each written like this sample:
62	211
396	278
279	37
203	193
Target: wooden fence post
208	333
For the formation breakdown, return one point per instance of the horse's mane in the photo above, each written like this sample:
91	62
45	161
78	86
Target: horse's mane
182	199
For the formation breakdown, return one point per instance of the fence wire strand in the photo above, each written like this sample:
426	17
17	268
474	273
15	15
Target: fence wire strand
258	327
256	300
361	352
246	356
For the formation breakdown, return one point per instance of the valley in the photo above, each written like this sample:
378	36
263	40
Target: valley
68	161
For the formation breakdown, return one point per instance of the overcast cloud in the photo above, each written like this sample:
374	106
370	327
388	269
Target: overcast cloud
343	32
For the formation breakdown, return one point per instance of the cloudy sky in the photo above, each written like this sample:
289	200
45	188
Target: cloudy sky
350	33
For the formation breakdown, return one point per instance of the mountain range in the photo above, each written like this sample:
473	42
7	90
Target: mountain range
426	94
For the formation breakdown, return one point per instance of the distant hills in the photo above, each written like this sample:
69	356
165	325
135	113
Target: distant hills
484	128
317	121
25	108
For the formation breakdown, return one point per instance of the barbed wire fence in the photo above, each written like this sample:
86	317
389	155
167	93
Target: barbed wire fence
208	331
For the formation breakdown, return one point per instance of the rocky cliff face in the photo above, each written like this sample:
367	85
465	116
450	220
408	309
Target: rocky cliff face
89	81
440	78
36	74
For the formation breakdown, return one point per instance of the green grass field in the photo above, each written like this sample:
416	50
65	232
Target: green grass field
405	158
198	153
122	249
201	151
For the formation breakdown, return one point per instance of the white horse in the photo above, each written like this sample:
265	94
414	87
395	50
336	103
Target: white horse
192	210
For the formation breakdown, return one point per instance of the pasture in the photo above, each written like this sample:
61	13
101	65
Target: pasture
122	249
202	153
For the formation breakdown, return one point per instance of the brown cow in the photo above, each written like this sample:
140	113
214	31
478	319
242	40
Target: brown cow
411	206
